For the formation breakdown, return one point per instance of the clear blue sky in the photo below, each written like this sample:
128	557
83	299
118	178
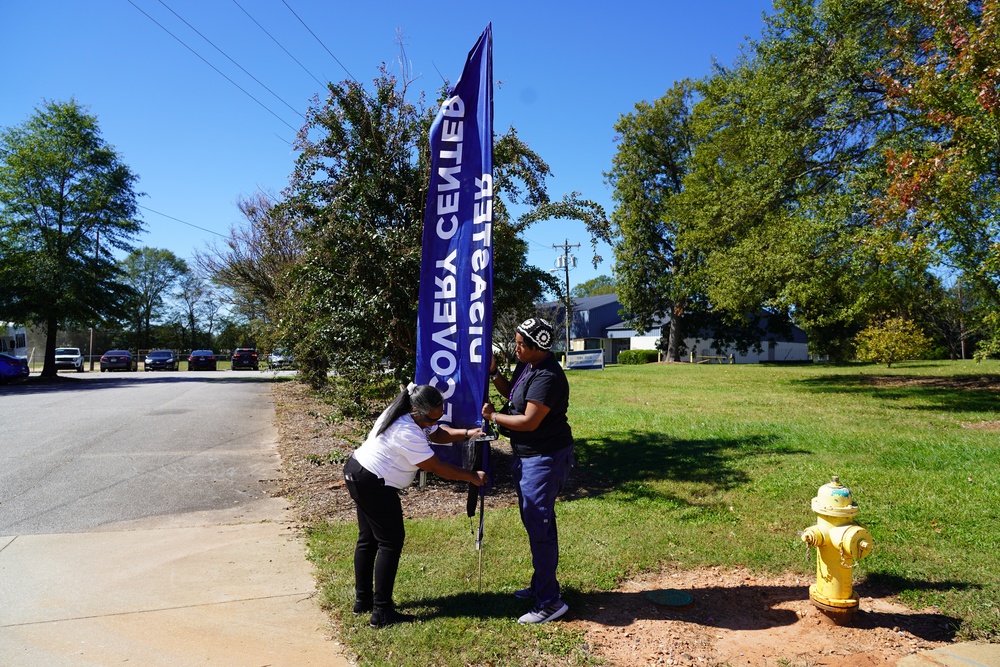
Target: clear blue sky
565	70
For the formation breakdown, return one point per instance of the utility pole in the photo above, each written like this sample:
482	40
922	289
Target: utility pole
97	249
564	263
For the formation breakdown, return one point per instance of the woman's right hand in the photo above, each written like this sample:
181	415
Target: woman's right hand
481	478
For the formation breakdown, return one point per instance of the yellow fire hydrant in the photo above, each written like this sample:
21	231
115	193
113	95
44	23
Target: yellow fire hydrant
840	544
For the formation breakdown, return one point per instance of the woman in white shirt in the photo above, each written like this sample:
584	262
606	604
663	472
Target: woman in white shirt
387	461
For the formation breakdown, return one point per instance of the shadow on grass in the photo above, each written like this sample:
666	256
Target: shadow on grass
624	462
954	393
482	606
882	584
620	460
728	607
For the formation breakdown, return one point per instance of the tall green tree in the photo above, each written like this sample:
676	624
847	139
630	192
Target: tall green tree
647	173
67	201
151	273
790	151
357	200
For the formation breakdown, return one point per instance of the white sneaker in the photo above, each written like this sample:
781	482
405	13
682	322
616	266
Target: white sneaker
545	614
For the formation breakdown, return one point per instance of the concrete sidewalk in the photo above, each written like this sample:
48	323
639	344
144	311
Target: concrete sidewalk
186	590
968	654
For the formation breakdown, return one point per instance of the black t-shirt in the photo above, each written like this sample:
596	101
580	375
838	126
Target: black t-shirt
545	384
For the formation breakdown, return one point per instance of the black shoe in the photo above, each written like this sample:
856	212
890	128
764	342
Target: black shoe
383	617
362	606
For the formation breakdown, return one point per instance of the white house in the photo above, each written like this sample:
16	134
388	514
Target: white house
774	348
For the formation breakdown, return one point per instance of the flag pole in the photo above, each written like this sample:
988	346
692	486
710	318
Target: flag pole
479	537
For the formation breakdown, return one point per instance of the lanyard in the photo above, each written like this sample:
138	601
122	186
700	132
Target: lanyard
524	371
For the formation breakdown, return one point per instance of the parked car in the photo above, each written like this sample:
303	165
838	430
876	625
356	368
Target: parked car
13	368
160	359
69	357
201	360
118	360
245	357
281	358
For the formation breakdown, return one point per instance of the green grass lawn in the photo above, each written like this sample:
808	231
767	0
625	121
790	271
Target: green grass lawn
689	465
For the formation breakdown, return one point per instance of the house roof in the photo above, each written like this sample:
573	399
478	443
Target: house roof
584	303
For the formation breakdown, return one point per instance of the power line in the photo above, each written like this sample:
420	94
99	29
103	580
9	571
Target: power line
265	107
279	44
280	99
530	240
321	42
146	208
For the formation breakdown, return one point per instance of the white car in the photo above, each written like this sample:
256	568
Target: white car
281	358
69	357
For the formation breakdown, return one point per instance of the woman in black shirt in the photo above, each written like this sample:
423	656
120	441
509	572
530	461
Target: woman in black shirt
542	441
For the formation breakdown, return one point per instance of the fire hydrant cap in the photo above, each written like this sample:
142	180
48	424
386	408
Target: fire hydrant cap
834	499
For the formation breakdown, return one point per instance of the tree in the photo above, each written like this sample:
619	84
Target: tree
594	287
654	146
789	152
200	303
357	199
66	202
892	340
953	315
151	273
655	276
944	190
254	265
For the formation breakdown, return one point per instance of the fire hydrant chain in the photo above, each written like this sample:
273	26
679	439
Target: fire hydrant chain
843	555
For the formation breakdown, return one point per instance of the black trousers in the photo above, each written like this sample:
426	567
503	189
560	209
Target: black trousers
380	534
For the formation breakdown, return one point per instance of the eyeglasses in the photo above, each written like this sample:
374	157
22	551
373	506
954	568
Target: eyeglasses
431	420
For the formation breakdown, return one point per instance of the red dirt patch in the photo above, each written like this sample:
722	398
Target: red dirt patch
741	619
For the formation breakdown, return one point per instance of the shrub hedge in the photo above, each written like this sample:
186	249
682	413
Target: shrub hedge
637	357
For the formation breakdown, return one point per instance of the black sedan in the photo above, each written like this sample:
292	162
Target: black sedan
245	357
13	368
163	360
201	360
117	360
